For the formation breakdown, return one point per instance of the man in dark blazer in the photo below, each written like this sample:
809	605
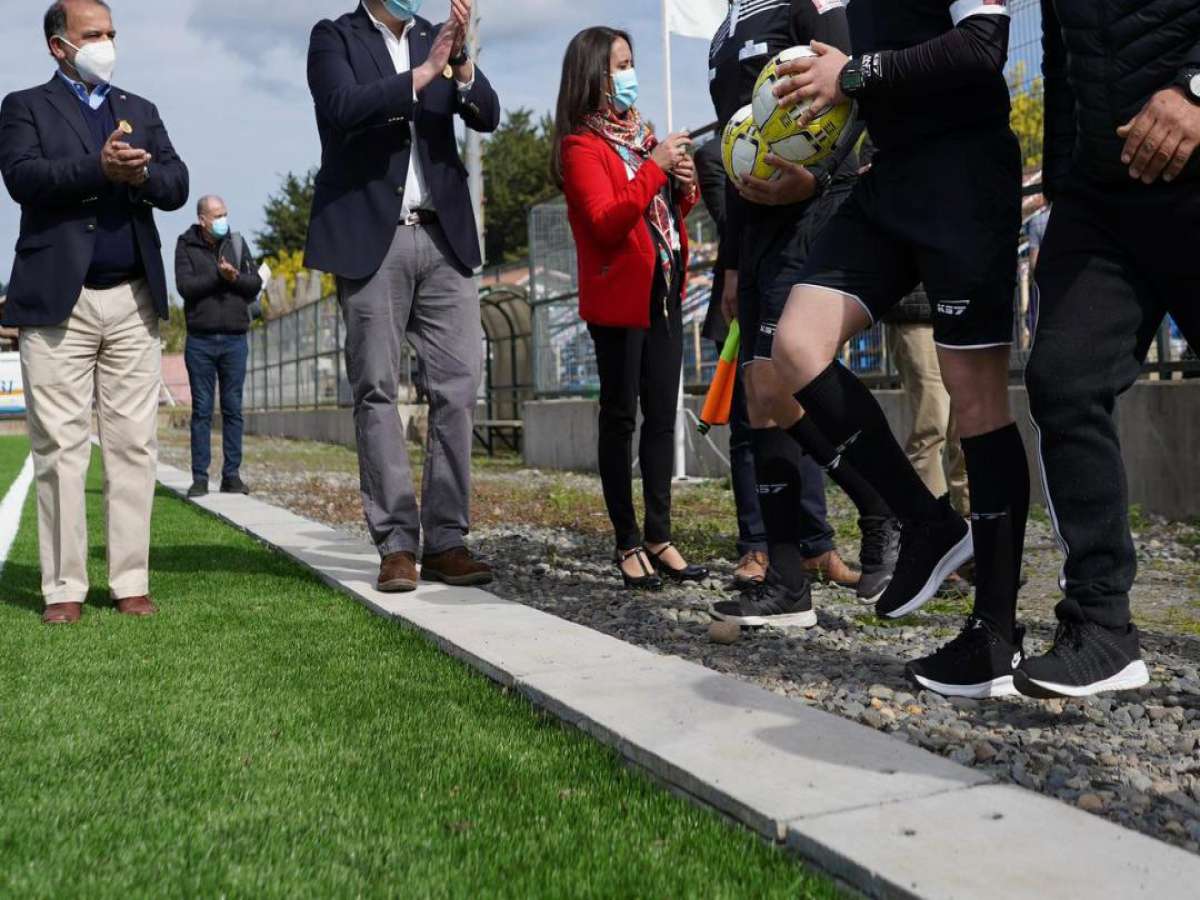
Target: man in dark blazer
88	163
392	219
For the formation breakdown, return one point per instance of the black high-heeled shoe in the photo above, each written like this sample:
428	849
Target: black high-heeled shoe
687	573
646	582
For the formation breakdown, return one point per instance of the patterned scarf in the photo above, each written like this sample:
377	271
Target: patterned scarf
633	140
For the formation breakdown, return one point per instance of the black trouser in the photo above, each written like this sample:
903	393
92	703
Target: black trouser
643	364
1115	260
752	533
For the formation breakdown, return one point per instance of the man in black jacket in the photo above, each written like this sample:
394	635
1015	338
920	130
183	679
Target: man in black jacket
1122	125
392	219
216	276
89	164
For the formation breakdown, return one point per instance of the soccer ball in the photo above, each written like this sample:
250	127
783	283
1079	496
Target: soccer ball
778	127
743	150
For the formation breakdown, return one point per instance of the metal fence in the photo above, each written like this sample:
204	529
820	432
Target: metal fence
297	361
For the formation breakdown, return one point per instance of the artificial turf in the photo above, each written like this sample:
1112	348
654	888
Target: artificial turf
265	736
13	451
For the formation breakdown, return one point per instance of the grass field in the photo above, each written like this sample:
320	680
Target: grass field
266	737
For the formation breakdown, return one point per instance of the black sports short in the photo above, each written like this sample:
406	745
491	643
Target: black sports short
946	214
774	254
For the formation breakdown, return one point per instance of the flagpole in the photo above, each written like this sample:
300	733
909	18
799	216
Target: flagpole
681	422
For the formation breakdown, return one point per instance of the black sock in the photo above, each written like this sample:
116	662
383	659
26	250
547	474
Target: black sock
777	470
844	475
999	477
848	415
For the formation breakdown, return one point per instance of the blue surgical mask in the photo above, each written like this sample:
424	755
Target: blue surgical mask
403	9
220	227
625	89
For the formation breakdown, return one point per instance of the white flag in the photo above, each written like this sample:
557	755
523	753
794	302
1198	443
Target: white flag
696	18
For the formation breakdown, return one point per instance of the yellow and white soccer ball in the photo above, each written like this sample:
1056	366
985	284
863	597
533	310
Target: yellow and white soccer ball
780	128
743	149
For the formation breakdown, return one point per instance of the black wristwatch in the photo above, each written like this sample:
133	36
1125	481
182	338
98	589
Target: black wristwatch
462	59
1189	80
852	80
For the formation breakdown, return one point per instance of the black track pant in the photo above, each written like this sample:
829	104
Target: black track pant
1115	260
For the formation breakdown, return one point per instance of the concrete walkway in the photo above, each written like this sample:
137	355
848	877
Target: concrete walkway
887	818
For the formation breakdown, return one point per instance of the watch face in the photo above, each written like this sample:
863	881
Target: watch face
1194	86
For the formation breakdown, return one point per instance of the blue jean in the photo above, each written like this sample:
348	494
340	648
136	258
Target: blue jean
213	358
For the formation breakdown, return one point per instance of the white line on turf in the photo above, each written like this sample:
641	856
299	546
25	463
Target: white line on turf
10	509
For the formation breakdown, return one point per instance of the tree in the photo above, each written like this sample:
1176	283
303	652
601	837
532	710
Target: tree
174	331
516	176
1028	114
286	215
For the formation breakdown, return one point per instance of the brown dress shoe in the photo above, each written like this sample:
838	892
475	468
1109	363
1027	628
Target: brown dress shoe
398	573
831	568
751	569
62	614
456	567
136	606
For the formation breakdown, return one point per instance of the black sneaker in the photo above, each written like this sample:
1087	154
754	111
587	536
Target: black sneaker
234	485
769	603
979	663
198	489
929	551
1086	659
880	548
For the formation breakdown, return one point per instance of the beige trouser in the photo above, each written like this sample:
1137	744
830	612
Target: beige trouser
108	352
933	446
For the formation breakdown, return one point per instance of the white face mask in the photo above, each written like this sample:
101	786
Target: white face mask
94	62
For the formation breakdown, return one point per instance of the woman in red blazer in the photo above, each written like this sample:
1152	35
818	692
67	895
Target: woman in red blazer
627	198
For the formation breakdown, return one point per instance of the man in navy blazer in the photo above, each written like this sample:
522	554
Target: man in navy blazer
89	163
392	219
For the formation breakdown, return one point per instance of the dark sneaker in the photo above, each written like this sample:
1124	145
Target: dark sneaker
929	552
234	485
979	663
769	603
880	547
198	489
1086	659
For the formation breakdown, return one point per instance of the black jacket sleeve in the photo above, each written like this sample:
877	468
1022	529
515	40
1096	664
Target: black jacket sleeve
194	282
810	24
31	178
166	188
480	106
1059	144
976	47
347	105
249	283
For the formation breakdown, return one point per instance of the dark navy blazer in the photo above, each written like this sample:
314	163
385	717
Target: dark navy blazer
51	170
364	110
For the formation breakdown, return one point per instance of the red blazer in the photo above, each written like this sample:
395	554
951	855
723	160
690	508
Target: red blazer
607	212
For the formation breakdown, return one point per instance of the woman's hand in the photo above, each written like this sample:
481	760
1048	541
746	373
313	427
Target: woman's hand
672	151
685	173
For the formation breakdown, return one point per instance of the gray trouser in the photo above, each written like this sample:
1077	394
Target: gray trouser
420	295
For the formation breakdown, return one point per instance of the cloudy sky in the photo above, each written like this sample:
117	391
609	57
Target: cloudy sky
228	77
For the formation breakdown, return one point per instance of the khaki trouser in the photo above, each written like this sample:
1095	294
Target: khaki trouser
933	446
107	352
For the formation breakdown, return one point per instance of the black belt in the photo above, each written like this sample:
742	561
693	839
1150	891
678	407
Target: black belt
420	217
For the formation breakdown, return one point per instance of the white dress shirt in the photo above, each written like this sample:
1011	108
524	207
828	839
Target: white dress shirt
416	191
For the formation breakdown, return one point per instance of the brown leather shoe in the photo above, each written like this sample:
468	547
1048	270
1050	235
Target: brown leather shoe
62	614
751	569
831	568
457	567
398	573
136	606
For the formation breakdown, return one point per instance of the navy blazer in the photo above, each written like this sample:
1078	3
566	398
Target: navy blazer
364	110
52	172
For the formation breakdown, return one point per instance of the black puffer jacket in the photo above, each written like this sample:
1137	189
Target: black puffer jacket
1103	60
211	304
